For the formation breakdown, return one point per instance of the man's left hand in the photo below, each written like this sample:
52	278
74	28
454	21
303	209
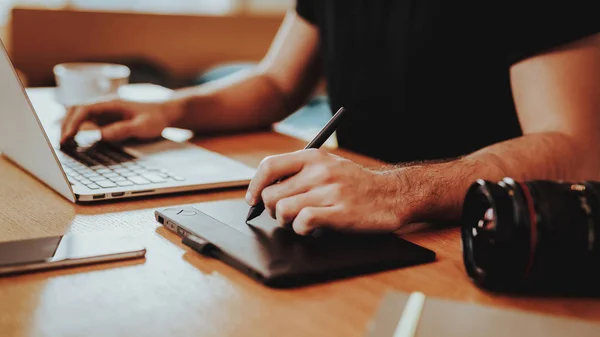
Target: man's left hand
324	190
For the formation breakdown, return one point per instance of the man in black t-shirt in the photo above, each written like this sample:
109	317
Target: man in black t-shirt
453	91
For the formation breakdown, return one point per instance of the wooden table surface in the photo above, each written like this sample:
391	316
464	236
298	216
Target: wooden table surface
176	292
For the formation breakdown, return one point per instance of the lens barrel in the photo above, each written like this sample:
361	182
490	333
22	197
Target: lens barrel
531	235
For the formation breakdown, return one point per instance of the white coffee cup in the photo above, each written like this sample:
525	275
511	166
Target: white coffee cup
84	82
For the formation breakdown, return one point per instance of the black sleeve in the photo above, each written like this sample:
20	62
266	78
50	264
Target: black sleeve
305	8
537	26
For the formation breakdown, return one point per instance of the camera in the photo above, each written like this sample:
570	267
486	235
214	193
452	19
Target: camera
532	235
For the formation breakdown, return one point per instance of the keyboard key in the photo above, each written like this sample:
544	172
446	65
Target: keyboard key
139	180
80	169
108	161
93	186
155	178
101	164
87	162
146	166
83	171
178	178
106	183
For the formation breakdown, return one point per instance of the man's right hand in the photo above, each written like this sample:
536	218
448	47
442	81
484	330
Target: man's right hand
119	120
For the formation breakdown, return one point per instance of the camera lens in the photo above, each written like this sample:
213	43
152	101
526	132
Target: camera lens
495	234
530	234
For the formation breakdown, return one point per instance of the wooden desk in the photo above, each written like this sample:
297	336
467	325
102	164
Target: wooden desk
176	292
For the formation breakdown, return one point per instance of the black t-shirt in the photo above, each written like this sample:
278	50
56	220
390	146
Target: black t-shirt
429	79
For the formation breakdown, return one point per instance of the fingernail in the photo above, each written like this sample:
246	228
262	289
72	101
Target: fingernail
249	197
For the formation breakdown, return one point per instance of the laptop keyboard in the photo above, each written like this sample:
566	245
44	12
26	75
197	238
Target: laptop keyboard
105	165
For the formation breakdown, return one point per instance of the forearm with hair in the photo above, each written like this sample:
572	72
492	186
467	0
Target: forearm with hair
438	189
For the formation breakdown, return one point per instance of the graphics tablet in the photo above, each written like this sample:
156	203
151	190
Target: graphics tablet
277	256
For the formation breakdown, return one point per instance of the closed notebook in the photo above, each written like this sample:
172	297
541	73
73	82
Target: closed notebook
441	318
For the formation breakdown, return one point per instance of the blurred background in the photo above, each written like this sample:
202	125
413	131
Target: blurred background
163	42
172	43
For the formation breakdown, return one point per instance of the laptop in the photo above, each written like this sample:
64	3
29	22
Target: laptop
94	170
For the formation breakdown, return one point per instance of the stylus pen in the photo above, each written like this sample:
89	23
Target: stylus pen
316	143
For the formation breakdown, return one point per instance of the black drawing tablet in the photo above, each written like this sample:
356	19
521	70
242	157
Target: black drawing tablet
278	257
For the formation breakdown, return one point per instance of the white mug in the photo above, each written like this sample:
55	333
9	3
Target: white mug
83	83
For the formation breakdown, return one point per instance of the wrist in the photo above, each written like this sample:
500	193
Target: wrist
174	110
428	192
399	191
444	186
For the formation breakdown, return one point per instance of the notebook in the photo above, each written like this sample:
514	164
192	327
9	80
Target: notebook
433	317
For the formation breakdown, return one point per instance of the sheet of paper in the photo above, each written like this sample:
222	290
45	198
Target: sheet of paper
461	319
